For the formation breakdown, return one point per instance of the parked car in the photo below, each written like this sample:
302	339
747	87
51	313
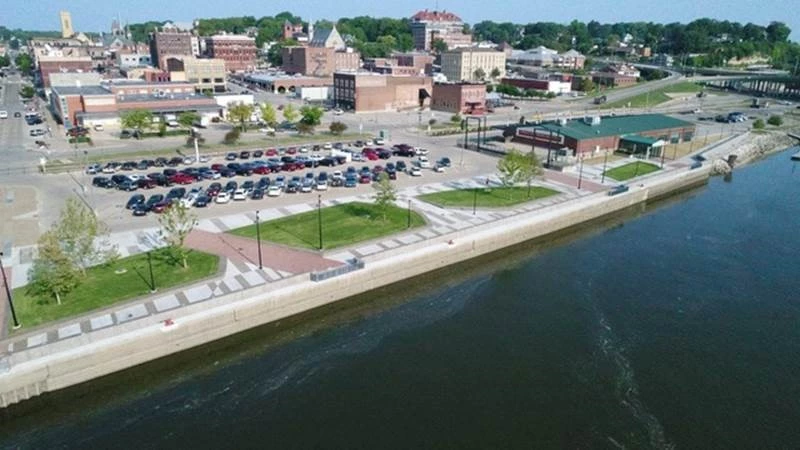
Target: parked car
127	185
231	186
223	197
153	200
140	210
257	194
101	182
423	162
258	154
244	155
444	162
274	191
134	200
414	171
202	201
230	157
92	169
162	206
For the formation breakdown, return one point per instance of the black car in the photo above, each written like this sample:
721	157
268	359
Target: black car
244	155
263	183
174	162
400	166
248	185
102	182
136	199
202	201
258	154
176	193
444	162
230	157
140	210
257	194
227	173
155	198
231	186
160	162
17	114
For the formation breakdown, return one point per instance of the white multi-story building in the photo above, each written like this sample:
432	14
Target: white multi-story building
462	63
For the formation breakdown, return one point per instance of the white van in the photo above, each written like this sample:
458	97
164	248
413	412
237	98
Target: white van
3	114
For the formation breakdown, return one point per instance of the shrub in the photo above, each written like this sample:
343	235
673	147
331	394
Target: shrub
231	136
775	120
758	124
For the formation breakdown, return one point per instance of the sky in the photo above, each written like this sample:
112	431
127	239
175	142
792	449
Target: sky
96	15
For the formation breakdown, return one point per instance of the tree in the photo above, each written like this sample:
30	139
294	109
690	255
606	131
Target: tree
337	128
82	236
52	272
304	128
231	137
24	62
137	119
385	194
240	113
586	84
162	127
456	118
311	116
510	168
775	120
269	115
479	74
495	73
5	61
290	114
188	118
530	168
439	46
758	124
27	92
176	223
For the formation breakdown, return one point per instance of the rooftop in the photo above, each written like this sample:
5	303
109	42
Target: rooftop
474	50
81	90
435	16
615	126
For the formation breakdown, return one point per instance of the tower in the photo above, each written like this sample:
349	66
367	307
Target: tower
66	24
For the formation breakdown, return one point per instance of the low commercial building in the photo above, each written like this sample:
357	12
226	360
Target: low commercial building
238	52
459	98
207	75
104	103
130	60
609	79
644	134
554	86
282	83
462	64
319	61
371	92
53	64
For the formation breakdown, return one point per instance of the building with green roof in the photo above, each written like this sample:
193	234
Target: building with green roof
644	133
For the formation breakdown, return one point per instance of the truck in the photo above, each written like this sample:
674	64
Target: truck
202	122
600	100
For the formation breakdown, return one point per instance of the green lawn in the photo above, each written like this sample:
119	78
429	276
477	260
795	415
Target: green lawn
488	197
341	225
102	287
631	170
656	96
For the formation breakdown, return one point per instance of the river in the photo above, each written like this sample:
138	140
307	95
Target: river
676	325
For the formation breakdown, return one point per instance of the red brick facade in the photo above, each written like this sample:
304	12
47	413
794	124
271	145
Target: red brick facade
239	52
459	98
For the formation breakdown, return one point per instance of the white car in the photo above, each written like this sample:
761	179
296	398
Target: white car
358	157
423	162
303	149
438	168
188	160
136	177
316	157
421	151
3	114
239	195
327	146
203	158
414	171
98	127
379	141
92	169
338	112
274	191
322	185
223	197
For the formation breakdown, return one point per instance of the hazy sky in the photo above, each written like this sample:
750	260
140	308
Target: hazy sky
96	15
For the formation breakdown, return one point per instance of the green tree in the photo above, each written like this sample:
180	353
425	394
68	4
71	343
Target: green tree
311	115
479	74
232	137
269	115
530	168
305	128
337	128
385	194
439	46
5	61
510	168
24	62
456	118
758	124
188	118
27	92
162	127
137	119
290	114
52	272
495	74
82	236
775	120
586	84
176	223
240	113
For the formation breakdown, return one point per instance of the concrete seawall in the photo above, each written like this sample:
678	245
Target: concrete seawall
67	363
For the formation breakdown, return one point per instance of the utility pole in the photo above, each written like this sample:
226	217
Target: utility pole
408	222
605	161
319	218
150	266
474	200
8	294
580	173
258	239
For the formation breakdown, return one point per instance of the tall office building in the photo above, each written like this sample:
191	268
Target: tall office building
66	24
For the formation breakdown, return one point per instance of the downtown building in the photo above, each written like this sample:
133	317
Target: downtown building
164	44
362	91
462	63
238	52
429	26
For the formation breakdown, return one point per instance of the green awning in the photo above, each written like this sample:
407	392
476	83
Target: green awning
639	140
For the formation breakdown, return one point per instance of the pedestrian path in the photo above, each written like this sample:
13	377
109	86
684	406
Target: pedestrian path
239	262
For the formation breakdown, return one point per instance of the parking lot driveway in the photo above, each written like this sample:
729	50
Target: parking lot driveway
239	249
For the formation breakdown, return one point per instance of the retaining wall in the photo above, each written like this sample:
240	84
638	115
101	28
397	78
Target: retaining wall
66	363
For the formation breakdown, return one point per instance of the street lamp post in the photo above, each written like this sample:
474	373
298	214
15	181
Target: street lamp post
8	294
150	266
258	239
408	221
663	153
580	173
319	218
605	162
474	200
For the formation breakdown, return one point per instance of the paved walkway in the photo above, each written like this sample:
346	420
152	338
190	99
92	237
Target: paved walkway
240	259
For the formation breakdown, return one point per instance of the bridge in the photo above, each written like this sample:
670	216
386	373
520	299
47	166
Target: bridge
778	86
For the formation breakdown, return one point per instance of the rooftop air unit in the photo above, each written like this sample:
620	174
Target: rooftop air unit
592	120
562	121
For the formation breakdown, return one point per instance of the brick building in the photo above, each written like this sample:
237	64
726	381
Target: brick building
51	64
207	75
319	61
238	52
428	26
554	86
593	134
609	79
462	63
169	43
461	98
368	91
282	84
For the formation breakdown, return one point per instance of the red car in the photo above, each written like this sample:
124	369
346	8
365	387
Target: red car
291	150
218	167
146	183
365	179
161	206
372	156
181	178
271	152
262	170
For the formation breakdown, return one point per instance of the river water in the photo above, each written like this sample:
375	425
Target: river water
674	326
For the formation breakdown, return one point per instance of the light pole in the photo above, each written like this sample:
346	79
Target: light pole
319	218
474	200
8	294
663	153
152	279
580	173
605	162
408	221
258	239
